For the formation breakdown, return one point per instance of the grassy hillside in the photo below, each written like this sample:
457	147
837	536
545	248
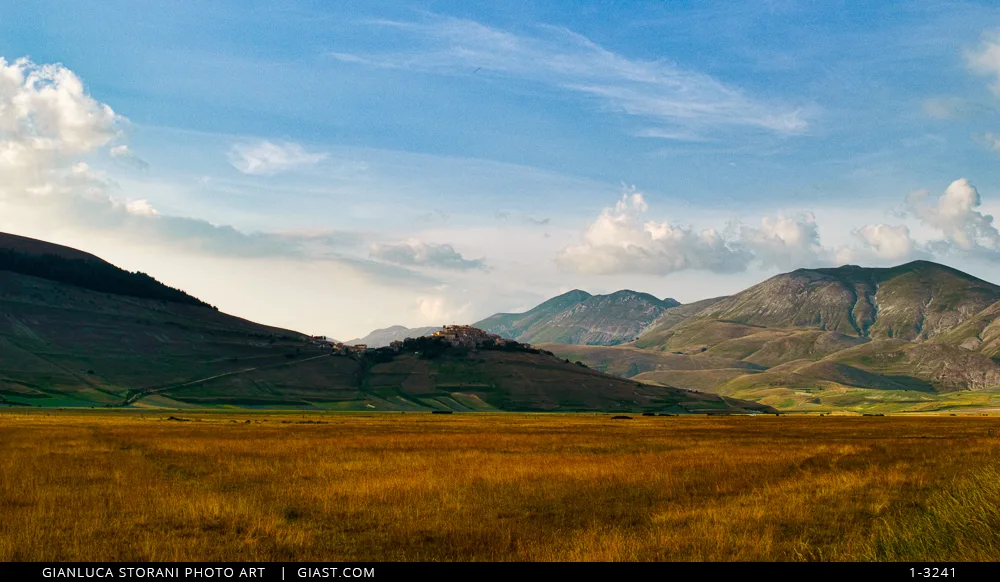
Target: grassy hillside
454	379
65	346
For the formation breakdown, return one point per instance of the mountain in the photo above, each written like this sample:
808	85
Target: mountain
383	337
914	301
76	331
513	325
578	317
914	337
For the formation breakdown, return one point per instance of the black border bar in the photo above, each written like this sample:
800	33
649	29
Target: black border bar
288	571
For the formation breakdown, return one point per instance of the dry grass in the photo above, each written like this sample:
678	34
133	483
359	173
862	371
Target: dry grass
122	486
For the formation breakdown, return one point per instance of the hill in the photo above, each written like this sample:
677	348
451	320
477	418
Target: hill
66	265
422	377
580	318
383	337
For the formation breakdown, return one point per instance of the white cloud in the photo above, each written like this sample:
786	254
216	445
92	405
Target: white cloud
619	242
659	91
785	242
44	109
267	159
888	242
415	253
140	207
954	214
881	244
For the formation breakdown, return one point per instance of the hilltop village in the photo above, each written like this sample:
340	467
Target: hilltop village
454	336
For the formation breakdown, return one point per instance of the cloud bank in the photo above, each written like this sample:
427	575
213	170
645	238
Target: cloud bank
620	241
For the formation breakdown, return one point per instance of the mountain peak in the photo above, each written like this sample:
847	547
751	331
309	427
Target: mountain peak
912	301
577	317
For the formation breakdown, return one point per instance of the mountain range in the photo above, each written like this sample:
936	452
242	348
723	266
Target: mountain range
77	331
918	336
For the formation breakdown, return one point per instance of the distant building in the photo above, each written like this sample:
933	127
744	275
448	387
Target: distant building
467	336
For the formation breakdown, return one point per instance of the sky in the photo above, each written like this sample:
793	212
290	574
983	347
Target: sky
339	167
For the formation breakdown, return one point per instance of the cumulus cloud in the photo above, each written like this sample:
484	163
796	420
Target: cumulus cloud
620	242
887	242
267	159
44	110
416	253
785	242
882	244
954	214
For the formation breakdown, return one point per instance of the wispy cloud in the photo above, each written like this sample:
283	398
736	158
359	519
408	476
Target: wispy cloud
416	253
986	59
124	154
266	158
661	93
505	216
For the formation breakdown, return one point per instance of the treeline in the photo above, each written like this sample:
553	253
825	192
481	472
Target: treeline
93	275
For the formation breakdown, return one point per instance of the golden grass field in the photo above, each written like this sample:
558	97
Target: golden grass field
258	486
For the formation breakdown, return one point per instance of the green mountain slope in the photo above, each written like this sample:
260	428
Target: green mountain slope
512	325
654	334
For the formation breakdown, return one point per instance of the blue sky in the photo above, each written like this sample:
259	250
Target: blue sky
335	167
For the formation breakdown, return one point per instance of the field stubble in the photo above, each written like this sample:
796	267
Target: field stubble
242	486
